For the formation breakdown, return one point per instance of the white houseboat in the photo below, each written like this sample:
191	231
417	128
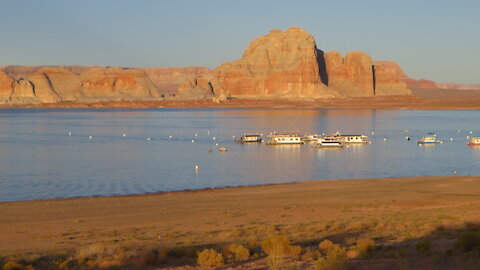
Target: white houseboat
349	138
250	138
431	138
474	141
310	138
285	138
327	143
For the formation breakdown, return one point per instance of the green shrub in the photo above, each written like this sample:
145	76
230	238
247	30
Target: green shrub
278	248
210	258
336	259
423	246
235	253
467	241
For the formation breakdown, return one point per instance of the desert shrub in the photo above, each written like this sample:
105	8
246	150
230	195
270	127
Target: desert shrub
335	259
235	253
13	266
149	257
467	241
326	245
365	246
423	246
209	258
278	248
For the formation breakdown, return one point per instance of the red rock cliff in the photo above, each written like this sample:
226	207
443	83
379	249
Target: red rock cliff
288	65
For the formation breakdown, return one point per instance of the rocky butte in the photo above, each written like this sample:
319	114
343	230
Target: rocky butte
288	64
281	65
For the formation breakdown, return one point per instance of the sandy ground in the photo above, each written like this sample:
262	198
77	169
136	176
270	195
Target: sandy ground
424	99
216	216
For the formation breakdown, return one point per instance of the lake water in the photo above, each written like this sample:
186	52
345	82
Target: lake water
39	160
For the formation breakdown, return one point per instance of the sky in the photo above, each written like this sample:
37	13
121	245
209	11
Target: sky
433	39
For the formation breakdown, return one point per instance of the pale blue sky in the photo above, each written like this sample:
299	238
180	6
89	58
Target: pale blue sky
434	39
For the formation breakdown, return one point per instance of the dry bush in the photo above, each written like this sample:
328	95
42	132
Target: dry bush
335	259
365	246
235	253
13	266
326	245
210	258
278	248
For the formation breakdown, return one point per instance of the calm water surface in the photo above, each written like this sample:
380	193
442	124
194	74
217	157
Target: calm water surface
39	160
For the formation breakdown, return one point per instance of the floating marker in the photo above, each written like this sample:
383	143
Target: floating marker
193	141
196	134
196	168
373	132
451	139
261	134
455	172
124	134
170	136
471	132
233	136
468	137
148	139
216	144
384	139
458	131
208	132
69	133
213	138
90	137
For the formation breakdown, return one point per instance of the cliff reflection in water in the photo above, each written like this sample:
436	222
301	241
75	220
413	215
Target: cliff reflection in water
40	160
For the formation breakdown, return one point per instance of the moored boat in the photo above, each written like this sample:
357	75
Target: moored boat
250	138
349	138
327	143
285	138
310	138
431	138
474	141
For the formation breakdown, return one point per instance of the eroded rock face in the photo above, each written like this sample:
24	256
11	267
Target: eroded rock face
390	79
6	84
280	64
351	76
288	65
168	80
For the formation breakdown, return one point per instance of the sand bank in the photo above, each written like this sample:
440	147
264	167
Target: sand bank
305	210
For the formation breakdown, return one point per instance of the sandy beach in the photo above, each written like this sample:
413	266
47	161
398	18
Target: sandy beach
389	210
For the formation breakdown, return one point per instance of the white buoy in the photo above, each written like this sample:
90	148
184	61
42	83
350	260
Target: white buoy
468	137
124	134
90	137
458	131
451	139
193	141
455	172
213	138
148	139
261	134
196	134
69	133
216	144
373	133
384	139
196	168
208	132
170	136
471	132
233	136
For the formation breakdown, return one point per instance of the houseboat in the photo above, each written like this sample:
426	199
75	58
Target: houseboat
474	141
250	138
285	138
348	138
431	138
327	143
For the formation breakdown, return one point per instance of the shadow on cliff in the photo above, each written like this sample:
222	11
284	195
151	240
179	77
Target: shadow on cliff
322	67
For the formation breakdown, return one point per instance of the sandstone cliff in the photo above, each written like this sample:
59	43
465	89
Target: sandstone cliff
288	64
52	84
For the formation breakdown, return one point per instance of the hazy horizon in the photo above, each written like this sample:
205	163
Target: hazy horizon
434	40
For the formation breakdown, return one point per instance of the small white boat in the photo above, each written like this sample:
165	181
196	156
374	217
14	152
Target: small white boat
250	138
285	138
223	149
431	138
327	143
